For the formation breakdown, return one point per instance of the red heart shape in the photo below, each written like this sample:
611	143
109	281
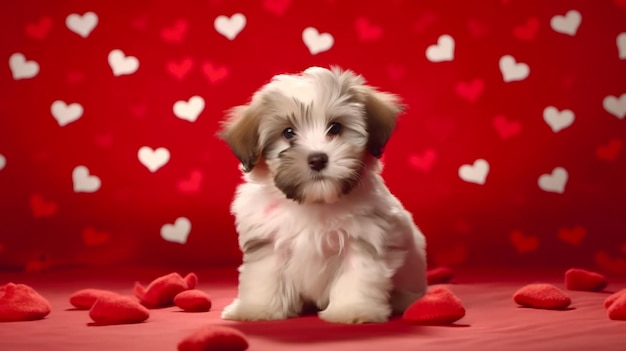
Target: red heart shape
615	266
92	237
528	31
84	299
542	296
424	161
191	184
214	73
42	208
438	306
523	243
277	7
583	280
367	31
193	300
505	128
617	310
175	33
161	291
40	29
572	236
179	69
610	151
470	91
19	302
614	297
214	337
117	309
439	275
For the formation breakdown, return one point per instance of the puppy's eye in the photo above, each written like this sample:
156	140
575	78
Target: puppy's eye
289	133
334	128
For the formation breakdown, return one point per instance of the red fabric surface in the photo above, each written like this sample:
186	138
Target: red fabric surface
492	321
462	107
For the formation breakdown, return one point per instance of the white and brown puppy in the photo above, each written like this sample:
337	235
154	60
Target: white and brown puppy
316	223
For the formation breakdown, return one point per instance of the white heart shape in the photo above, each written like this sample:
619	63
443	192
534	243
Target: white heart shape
3	162
615	106
567	24
230	27
82	25
554	182
153	159
84	182
189	110
21	68
122	64
177	232
317	42
558	120
442	51
476	173
64	113
511	70
621	45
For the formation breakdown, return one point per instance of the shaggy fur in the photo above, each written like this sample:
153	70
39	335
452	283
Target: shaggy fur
334	237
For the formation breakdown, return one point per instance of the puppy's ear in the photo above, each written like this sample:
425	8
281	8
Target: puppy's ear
382	110
240	130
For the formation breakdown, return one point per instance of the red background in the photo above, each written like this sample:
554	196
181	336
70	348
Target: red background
507	221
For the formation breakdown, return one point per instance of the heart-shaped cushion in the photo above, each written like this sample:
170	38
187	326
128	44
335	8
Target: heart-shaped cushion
583	280
117	309
84	299
214	338
193	300
439	275
613	297
19	302
161	291
617	310
542	296
438	306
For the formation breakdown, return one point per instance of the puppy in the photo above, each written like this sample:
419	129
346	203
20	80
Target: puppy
317	225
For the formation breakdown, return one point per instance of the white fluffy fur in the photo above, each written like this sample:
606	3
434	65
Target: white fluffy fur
354	254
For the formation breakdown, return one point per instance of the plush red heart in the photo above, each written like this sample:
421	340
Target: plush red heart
161	291
438	306
439	275
542	296
193	300
117	309
214	338
617	310
19	302
84	299
583	280
614	297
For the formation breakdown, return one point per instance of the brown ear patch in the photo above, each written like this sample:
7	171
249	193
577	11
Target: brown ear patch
241	131
382	110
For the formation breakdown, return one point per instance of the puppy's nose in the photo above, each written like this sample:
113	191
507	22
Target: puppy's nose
318	161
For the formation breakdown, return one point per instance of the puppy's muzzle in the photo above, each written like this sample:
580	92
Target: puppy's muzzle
318	161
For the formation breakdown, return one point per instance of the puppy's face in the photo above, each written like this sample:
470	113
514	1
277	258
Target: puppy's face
312	131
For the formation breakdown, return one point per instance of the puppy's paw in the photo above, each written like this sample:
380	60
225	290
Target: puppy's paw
237	311
356	314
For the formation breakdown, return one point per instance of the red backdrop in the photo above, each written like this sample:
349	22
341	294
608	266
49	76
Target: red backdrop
524	87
